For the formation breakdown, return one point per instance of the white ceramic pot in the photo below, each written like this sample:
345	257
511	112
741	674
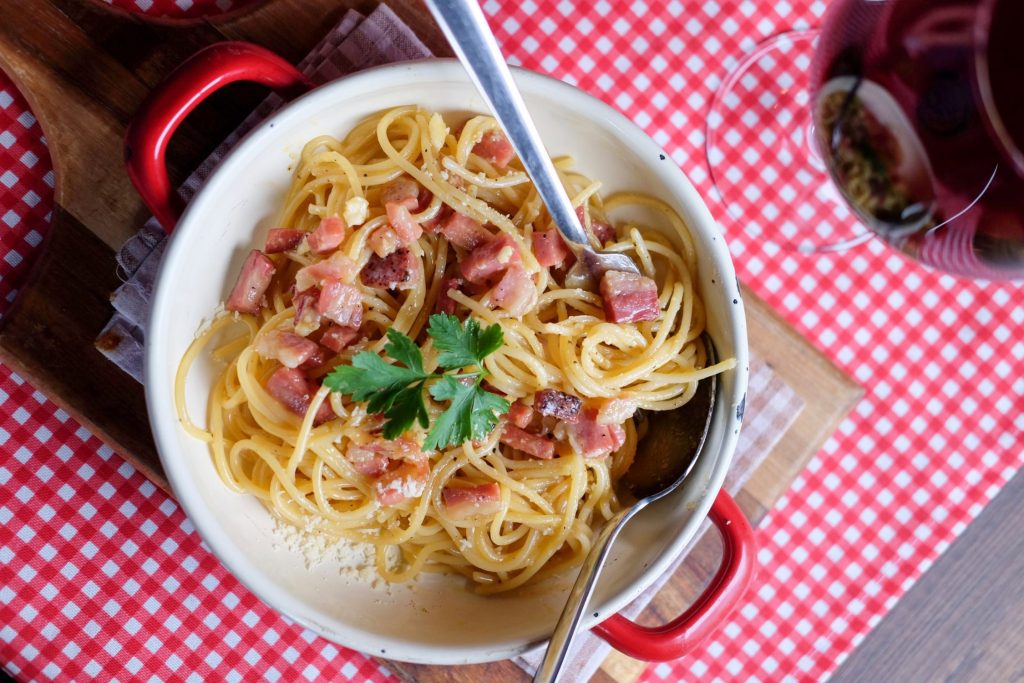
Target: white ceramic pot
437	620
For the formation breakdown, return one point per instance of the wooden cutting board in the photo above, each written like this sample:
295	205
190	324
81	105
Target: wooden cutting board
84	70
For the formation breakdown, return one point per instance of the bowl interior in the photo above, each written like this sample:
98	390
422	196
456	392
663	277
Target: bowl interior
436	619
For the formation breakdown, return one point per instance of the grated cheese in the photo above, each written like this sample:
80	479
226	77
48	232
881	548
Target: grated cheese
438	131
355	562
356	210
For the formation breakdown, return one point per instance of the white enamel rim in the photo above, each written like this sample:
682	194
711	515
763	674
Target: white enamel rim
419	82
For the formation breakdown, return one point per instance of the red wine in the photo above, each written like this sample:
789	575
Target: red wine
919	117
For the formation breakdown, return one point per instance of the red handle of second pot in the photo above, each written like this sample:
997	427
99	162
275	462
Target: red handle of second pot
682	635
163	111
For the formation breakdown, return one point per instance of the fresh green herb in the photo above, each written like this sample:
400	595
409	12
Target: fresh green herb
462	346
396	392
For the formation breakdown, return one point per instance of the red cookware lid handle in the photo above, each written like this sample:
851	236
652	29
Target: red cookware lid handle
682	635
166	107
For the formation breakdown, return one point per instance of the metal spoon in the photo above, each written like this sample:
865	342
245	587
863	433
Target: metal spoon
663	459
466	28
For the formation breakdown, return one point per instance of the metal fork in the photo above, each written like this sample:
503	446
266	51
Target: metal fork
466	28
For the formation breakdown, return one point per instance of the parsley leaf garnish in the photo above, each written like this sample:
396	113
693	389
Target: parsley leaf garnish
396	392
404	350
460	346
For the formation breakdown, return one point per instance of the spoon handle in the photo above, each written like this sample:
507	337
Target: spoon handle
579	596
466	28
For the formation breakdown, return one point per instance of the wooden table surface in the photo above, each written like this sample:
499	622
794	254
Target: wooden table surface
963	621
101	77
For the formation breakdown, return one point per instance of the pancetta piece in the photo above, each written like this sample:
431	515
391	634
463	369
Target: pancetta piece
628	297
549	248
490	258
538	446
595	440
327	236
341	303
282	239
495	148
398	270
247	294
295	392
515	292
336	337
565	407
287	348
465	502
465	232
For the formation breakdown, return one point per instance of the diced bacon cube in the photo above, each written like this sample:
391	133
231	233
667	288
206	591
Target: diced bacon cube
490	258
327	236
515	292
307	317
291	388
465	232
282	239
341	303
368	461
288	348
295	392
472	501
252	283
554	403
314	362
615	411
405	482
595	440
602	231
337	267
423	200
402	448
403	190
398	270
532	444
495	148
629	298
401	221
433	225
519	414
383	241
549	248
337	337
446	304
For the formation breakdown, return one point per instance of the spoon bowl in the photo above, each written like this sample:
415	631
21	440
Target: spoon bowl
663	460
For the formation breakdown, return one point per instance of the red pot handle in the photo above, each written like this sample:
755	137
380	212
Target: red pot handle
163	111
682	635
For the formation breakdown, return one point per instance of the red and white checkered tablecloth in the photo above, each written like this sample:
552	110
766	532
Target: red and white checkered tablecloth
102	576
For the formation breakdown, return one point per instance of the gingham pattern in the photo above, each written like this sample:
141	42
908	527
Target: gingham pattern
773	196
26	192
177	9
100	574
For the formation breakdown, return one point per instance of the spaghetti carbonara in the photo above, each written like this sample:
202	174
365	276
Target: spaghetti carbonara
408	216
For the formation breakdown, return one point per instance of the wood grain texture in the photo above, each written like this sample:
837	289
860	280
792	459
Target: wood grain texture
963	621
84	71
48	337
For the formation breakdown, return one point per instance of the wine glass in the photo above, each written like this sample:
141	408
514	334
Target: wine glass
898	119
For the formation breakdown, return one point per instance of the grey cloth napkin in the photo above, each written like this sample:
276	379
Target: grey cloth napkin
356	43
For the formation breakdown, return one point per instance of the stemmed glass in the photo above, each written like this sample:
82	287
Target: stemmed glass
898	119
